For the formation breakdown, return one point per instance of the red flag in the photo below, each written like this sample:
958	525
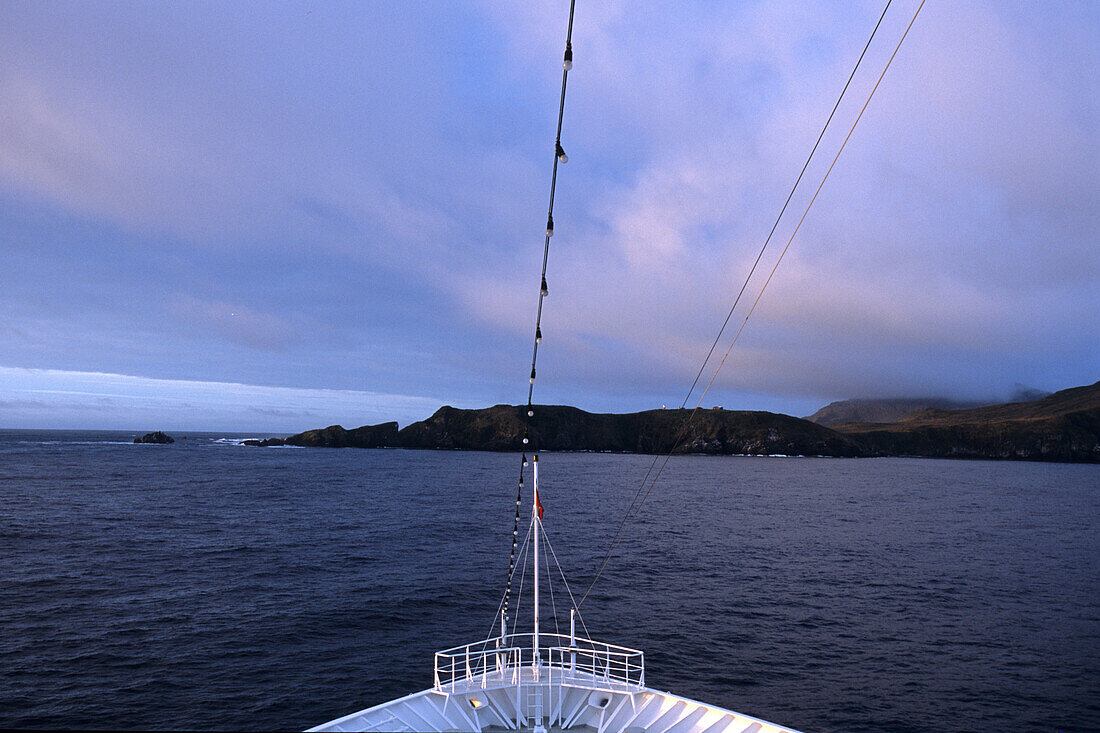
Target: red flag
538	504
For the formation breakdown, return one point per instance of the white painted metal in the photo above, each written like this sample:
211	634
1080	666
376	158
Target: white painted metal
534	692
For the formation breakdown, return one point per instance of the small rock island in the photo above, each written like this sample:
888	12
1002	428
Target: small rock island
156	436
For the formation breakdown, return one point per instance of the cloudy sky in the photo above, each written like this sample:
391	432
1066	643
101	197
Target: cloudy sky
275	216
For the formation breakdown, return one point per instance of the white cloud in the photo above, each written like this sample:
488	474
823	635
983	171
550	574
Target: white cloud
35	398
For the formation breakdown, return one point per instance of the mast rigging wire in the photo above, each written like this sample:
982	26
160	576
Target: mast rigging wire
500	606
550	583
635	505
566	583
687	423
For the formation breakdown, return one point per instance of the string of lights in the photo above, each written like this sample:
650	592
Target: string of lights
559	157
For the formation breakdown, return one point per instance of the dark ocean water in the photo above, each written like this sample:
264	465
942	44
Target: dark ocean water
206	585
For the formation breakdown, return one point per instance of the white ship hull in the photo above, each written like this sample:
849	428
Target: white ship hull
579	686
565	708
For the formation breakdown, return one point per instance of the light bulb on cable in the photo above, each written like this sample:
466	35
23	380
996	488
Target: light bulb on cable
550	225
560	152
543	292
567	64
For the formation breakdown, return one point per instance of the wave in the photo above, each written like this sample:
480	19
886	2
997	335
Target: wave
240	441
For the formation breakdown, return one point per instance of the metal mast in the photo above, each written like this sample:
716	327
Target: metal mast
536	523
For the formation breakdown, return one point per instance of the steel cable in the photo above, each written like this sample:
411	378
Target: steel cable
635	505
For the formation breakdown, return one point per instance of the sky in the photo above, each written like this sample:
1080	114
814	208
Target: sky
277	216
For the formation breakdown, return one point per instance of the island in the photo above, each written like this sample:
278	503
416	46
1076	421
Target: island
1063	426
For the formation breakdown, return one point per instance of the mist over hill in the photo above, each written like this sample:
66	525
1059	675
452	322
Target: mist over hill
881	410
898	408
1063	426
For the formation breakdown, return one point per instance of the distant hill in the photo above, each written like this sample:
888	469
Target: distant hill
1064	426
885	410
892	410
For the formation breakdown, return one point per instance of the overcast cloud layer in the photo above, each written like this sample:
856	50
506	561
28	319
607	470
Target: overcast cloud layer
345	201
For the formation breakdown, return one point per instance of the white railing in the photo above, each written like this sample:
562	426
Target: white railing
576	662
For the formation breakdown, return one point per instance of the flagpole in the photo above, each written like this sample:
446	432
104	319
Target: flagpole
535	521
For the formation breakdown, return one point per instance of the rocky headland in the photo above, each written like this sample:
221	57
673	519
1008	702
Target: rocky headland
1064	426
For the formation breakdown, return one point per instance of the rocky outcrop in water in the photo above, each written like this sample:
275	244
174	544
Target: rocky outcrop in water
155	437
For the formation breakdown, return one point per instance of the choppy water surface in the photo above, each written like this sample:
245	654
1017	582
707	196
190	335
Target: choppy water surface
205	585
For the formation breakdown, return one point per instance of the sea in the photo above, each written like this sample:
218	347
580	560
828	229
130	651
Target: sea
207	585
